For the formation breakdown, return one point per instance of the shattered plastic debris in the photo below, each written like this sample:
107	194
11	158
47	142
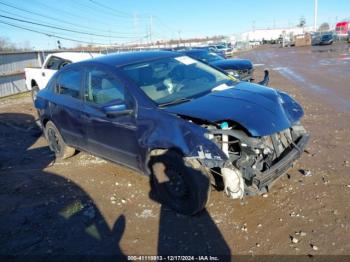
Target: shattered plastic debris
294	240
314	247
244	228
85	160
146	213
306	172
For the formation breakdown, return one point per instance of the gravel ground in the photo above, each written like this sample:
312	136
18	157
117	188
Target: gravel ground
85	205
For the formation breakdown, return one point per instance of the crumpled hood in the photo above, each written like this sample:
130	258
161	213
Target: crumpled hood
261	110
234	64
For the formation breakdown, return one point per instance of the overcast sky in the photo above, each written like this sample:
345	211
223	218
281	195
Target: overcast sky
116	21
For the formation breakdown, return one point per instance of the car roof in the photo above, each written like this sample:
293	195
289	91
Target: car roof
128	58
76	56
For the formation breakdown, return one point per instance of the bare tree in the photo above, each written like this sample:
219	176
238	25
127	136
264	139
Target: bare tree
6	45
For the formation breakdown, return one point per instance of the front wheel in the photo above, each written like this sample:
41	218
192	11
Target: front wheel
179	183
56	142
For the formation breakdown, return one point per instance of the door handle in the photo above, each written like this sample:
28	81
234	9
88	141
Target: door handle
43	73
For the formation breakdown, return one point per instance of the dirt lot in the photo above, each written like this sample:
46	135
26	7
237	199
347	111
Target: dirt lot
85	205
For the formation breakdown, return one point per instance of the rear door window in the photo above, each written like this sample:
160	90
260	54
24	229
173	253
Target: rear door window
69	83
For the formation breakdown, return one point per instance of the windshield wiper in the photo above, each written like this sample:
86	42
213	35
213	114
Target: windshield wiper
176	101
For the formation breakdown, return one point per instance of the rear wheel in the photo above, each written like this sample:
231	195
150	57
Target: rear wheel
179	183
56	142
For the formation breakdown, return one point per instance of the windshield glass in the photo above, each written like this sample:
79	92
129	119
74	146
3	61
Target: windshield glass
173	79
207	57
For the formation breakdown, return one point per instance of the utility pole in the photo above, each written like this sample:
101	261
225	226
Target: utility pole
150	28
135	23
136	26
315	16
179	32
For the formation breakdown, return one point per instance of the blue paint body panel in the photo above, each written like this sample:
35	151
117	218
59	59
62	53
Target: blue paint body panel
234	64
260	110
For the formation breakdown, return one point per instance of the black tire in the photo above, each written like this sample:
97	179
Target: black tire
56	142
34	92
181	184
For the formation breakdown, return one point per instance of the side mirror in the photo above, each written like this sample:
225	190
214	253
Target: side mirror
118	108
40	103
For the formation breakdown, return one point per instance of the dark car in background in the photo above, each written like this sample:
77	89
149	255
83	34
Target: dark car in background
224	48
322	38
221	53
239	68
176	119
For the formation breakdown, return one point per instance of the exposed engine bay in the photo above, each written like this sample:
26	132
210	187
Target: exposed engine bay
254	162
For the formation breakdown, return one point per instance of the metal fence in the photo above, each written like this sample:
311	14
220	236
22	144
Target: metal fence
12	77
12	70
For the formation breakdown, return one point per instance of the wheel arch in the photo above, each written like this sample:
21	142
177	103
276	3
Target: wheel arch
44	121
33	83
157	151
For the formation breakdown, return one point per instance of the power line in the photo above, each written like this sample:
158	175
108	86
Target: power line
53	35
106	10
161	22
35	20
48	34
62	29
45	16
34	13
112	9
75	15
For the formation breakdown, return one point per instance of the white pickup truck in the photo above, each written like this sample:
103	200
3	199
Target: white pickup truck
37	78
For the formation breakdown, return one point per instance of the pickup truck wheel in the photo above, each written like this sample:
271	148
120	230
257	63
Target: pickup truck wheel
181	184
56	142
35	91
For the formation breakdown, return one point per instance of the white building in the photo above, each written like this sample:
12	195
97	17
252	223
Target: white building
272	34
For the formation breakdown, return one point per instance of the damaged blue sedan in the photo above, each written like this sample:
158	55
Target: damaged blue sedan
180	121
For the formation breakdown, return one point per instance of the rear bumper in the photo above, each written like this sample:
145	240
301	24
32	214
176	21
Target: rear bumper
326	42
263	179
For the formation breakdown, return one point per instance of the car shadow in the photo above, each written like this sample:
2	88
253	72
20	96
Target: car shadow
42	213
182	235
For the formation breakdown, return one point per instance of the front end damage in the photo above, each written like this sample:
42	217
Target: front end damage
253	163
